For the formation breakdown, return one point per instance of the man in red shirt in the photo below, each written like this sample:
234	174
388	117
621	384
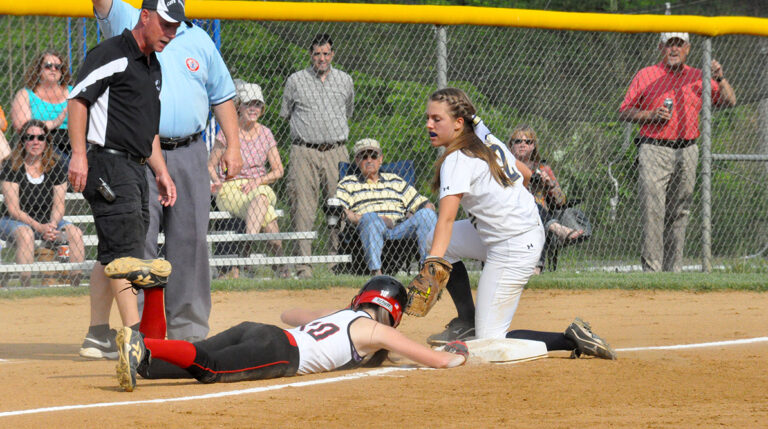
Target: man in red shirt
665	99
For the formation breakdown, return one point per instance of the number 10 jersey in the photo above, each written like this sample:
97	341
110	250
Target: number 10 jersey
325	345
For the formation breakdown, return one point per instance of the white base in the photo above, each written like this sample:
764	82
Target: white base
505	350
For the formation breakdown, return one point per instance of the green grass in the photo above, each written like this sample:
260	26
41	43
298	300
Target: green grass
693	282
689	282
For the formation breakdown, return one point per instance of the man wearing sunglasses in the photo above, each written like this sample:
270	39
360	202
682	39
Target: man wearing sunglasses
383	206
665	99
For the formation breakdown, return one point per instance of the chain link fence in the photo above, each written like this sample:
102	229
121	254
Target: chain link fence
566	85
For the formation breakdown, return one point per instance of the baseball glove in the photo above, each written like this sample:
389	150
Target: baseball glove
425	289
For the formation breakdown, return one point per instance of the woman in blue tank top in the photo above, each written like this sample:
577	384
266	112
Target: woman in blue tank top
44	97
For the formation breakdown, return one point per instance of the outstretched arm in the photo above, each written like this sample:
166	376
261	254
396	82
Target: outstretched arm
385	337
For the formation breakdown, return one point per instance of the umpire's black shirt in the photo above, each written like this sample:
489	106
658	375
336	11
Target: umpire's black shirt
122	91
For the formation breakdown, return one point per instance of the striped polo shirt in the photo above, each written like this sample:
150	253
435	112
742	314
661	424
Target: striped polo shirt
391	196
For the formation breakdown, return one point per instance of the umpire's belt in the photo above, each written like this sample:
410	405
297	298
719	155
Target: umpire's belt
672	144
177	142
322	147
120	153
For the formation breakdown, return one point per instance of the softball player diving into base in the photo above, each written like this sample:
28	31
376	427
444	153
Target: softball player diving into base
359	335
503	230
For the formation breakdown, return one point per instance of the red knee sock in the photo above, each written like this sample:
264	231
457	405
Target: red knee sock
177	352
153	317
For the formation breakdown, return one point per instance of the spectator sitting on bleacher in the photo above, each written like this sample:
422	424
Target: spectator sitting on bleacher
248	196
34	182
383	205
44	97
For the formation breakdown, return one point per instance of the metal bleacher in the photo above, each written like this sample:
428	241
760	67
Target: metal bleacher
91	240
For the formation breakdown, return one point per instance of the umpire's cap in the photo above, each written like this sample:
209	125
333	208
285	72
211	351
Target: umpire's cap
169	10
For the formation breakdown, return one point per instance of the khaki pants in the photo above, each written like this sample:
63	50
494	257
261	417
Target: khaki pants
312	173
666	180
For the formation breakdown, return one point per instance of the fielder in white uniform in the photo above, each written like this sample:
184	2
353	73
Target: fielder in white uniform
503	230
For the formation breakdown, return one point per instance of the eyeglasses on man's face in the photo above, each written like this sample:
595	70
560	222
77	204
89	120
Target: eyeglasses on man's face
368	154
526	141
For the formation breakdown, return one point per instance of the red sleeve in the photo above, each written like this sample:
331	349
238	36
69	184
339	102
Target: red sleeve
715	92
634	94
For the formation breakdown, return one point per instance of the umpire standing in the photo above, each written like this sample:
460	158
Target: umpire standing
195	78
115	106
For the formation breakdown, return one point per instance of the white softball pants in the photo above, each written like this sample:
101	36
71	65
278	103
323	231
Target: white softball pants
508	266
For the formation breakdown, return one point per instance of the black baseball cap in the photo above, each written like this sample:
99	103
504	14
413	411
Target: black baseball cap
169	10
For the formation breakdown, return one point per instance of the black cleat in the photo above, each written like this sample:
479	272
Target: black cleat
587	342
455	330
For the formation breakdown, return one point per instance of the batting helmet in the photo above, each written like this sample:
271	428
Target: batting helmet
387	293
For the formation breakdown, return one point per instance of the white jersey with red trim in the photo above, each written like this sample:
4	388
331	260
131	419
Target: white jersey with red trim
324	343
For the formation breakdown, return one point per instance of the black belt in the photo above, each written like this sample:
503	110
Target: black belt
322	147
134	158
672	144
177	142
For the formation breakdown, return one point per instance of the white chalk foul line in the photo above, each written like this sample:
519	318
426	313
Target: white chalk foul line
698	345
373	373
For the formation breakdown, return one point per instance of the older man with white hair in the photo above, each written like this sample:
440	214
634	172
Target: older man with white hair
665	99
383	205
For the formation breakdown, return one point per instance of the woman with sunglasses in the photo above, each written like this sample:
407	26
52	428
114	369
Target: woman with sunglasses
248	196
34	184
44	97
545	188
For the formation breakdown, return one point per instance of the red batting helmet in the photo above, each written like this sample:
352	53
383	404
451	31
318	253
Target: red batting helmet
387	293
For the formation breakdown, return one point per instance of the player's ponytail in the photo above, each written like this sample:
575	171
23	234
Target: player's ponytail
459	106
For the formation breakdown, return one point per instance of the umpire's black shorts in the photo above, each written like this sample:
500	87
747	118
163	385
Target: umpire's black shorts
122	224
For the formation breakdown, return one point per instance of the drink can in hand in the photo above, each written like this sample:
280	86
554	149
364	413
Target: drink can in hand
668	104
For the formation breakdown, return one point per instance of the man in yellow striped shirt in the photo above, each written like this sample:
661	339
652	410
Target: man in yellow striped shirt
383	205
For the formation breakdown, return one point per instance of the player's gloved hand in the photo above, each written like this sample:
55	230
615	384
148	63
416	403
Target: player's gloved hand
458	348
425	289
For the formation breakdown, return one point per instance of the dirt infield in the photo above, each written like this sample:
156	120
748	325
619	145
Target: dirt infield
723	385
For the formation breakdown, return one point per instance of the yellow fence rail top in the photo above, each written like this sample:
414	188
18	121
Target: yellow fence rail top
408	14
